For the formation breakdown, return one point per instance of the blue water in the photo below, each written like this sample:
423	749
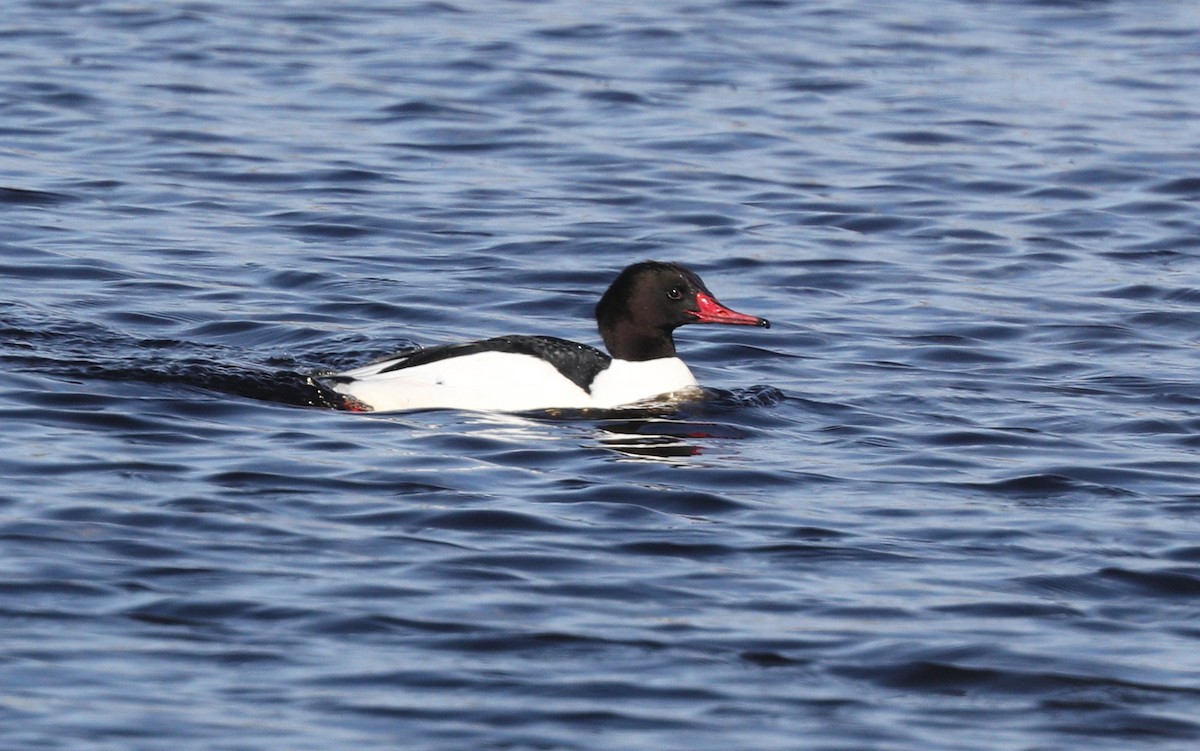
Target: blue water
951	500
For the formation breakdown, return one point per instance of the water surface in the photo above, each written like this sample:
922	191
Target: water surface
948	501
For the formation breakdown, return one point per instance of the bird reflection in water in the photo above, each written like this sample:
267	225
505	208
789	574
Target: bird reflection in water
648	437
662	438
675	432
679	431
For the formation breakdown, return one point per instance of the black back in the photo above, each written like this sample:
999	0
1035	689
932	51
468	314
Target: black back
577	362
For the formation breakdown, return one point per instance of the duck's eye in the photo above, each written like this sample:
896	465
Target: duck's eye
675	293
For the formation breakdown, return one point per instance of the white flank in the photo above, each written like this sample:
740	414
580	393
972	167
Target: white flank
507	382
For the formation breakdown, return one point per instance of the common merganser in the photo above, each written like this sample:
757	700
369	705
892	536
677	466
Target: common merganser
637	317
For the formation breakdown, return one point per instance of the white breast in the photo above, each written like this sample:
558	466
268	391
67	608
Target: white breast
626	382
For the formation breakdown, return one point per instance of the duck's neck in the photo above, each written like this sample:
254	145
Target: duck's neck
625	341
